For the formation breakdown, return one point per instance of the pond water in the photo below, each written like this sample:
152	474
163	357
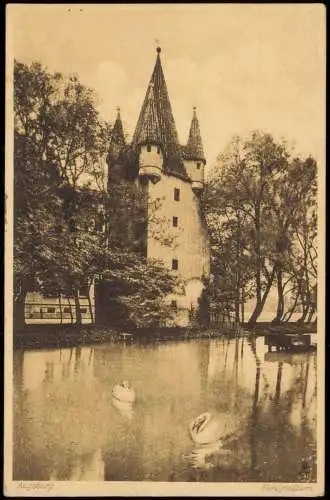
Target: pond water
67	426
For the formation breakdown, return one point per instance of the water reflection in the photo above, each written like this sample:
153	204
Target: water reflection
125	408
67	425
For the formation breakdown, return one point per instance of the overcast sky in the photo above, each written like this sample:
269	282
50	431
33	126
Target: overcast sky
245	67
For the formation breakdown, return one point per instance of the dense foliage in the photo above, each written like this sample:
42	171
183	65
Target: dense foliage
68	227
262	217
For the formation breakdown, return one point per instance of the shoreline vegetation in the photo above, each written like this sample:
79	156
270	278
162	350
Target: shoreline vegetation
61	336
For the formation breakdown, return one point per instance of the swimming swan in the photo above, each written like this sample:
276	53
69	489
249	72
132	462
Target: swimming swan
208	428
124	392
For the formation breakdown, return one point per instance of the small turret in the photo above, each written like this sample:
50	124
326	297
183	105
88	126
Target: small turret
116	146
150	142
117	140
194	156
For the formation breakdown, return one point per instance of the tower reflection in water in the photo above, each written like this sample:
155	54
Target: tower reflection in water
68	427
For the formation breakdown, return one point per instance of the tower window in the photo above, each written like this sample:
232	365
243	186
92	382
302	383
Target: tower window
148	148
174	304
176	194
72	226
198	166
158	149
175	222
175	264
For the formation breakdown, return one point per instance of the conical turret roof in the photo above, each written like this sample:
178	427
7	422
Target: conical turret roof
117	140
194	148
117	134
150	128
156	118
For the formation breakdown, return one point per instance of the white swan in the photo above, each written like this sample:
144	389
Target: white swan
124	392
208	428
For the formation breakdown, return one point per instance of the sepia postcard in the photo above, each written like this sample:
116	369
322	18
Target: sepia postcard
165	250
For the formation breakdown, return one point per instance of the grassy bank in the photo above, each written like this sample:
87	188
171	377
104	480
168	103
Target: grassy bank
41	336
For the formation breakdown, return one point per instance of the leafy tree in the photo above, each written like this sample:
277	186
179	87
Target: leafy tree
59	141
257	200
68	225
35	220
293	216
140	287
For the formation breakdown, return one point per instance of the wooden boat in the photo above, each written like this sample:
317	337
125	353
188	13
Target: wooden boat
123	392
208	428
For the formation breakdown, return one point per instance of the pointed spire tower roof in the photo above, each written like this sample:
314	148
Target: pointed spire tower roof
117	135
150	129
156	118
194	149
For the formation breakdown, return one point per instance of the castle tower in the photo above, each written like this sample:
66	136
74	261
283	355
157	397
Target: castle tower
176	233
194	156
150	141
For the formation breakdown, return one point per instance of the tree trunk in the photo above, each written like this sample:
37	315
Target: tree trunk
278	382
311	313
258	257
304	314
77	306
238	274
260	303
259	306
289	313
242	306
280	295
61	312
71	315
237	304
90	304
19	311
307	296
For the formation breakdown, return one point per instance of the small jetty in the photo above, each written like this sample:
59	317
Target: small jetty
291	337
288	341
287	336
267	328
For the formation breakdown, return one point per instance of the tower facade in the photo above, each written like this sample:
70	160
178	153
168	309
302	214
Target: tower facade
172	177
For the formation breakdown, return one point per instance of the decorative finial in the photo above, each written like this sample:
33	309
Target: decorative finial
158	50
118	110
